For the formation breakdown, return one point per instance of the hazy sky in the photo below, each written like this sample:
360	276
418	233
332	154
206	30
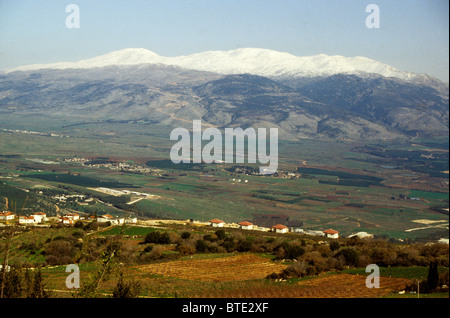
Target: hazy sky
413	34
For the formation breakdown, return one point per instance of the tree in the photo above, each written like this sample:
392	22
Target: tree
293	251
157	237
350	255
244	245
185	235
3	278
38	287
90	288
12	283
220	234
433	276
201	246
126	290
334	245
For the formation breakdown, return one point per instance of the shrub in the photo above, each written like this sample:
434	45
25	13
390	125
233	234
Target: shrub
293	251
201	246
220	234
334	245
157	237
62	252
126	290
52	260
229	245
210	237
79	224
244	246
186	249
350	256
185	235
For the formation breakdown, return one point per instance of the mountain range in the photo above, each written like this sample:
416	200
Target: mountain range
305	97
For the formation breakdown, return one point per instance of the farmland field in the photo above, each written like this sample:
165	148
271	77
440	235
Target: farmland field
217	269
337	188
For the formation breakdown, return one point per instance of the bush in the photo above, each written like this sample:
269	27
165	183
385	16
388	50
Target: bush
52	260
201	246
334	245
78	234
185	235
349	255
293	251
244	246
296	270
210	237
157	237
186	249
59	252
220	234
126	290
229	245
79	224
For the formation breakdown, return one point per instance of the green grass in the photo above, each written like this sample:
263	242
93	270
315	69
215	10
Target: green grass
412	272
134	230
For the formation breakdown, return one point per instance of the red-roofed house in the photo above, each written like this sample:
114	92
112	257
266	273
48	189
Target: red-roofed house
216	223
73	216
7	215
26	220
105	218
245	225
66	220
280	228
330	233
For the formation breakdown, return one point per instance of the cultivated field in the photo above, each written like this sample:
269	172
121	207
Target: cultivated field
223	269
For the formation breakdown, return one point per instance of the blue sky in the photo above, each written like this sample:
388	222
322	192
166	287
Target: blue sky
413	34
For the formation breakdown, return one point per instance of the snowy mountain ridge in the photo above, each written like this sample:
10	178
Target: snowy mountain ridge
262	62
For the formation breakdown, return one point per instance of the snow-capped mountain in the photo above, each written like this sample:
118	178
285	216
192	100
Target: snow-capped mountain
305	97
262	62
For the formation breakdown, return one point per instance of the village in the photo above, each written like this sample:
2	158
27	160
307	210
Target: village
113	165
41	219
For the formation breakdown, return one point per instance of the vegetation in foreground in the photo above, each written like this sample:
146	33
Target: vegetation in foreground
154	262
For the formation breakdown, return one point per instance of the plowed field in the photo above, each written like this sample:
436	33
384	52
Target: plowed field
224	269
349	286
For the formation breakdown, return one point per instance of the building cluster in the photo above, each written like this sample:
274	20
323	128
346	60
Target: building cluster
113	165
35	218
67	219
279	228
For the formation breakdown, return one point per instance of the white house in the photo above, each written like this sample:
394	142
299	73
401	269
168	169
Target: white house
73	216
245	225
7	215
117	221
105	218
26	220
131	220
39	217
330	233
109	218
65	220
280	228
216	223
